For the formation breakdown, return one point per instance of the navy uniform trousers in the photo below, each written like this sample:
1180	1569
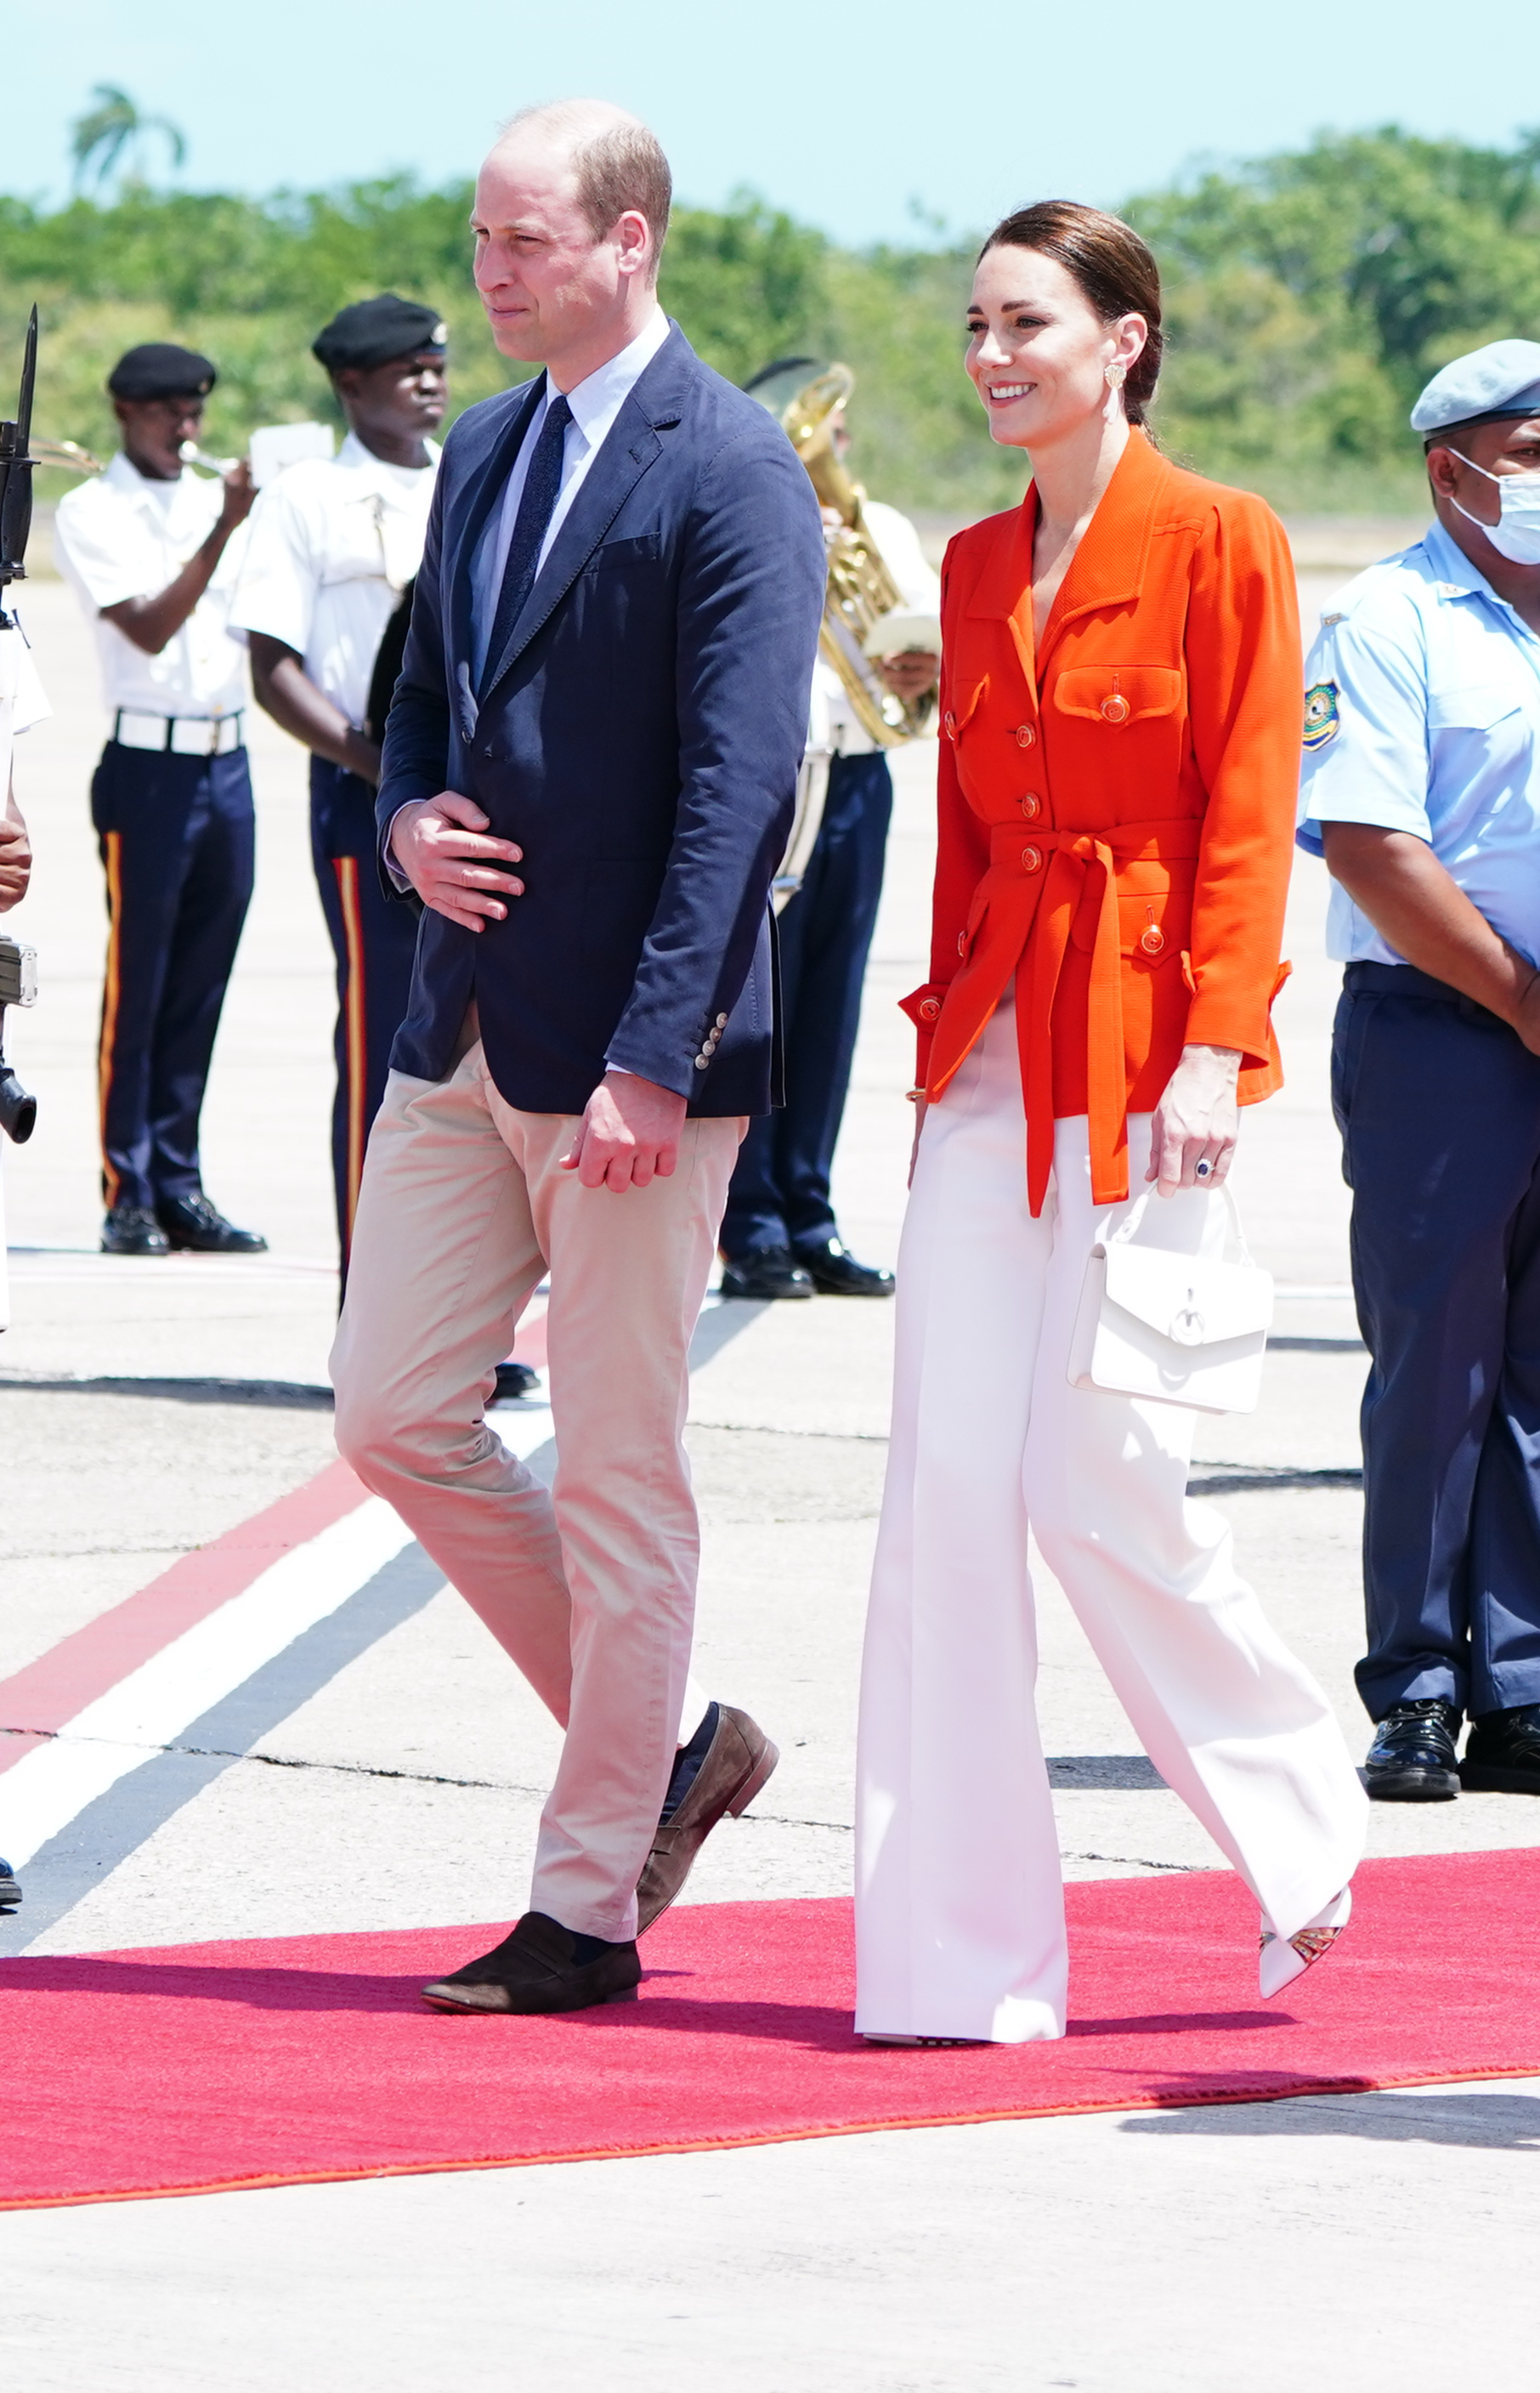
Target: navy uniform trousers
374	941
1439	1106
779	1194
178	843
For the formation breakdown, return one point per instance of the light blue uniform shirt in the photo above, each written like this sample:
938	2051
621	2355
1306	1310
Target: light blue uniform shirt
1422	714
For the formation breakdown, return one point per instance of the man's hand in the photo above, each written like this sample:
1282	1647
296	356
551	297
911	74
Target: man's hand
16	858
239	497
443	846
629	1132
1196	1121
912	674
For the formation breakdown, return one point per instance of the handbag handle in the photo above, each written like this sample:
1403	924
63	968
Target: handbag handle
1124	1235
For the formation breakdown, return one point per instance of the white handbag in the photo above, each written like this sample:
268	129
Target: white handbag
1171	1327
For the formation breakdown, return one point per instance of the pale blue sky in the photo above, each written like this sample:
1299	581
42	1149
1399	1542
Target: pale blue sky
842	115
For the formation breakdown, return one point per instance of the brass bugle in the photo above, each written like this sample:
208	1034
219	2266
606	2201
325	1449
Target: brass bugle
191	454
68	453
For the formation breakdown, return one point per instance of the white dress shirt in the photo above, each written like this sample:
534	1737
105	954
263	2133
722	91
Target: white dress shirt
596	402
122	536
334	543
21	699
834	722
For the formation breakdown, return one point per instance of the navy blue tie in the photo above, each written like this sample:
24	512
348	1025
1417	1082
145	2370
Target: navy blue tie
541	485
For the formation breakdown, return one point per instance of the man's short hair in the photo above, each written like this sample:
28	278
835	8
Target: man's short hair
620	165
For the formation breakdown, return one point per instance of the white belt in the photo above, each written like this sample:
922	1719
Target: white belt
178	735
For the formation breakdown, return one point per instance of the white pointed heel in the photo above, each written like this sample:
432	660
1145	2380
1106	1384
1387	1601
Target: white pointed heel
1284	1958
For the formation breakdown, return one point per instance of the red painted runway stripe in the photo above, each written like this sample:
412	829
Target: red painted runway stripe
79	1669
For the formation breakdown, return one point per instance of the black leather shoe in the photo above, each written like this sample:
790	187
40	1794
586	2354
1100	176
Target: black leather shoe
195	1225
514	1379
835	1272
771	1272
133	1230
1502	1753
1412	1758
540	1967
10	1892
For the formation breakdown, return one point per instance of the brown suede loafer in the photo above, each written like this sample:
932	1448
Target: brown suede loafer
536	1968
738	1760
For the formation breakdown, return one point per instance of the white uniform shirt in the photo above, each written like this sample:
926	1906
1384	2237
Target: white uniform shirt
121	536
21	699
1422	714
834	720
334	543
596	402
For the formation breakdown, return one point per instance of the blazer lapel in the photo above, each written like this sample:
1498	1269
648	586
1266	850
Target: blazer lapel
481	491
1004	588
630	448
1107	570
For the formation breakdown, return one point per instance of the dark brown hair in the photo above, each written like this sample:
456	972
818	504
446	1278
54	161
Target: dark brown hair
1115	270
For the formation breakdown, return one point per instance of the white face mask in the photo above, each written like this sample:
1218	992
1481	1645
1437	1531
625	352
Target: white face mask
1516	535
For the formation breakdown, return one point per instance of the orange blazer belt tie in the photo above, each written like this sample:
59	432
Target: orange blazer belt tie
1044	888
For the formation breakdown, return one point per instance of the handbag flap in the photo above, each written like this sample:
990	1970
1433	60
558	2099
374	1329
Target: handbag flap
1195	1303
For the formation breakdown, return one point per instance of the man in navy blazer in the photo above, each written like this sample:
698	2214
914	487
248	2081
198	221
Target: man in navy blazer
588	780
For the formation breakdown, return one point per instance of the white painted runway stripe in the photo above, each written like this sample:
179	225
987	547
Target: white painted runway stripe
149	1708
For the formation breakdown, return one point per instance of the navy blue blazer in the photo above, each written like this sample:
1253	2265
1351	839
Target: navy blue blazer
640	742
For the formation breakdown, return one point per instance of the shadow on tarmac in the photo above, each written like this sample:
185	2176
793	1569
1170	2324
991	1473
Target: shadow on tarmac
1502	2121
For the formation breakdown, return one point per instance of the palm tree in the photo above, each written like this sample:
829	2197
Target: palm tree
113	132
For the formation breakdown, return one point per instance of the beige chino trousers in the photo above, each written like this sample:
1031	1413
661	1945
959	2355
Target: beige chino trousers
589	1586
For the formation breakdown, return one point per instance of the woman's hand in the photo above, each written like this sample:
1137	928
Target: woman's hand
1196	1121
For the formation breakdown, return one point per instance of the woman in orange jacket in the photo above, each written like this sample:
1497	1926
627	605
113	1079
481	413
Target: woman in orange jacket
1121	693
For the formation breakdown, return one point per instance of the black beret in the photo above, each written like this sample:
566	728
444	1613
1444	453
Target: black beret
373	331
159	369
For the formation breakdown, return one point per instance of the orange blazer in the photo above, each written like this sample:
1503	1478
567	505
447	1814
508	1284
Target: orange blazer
1117	815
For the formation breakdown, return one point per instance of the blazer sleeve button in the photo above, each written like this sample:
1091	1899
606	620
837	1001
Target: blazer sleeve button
721	1022
930	1009
701	1062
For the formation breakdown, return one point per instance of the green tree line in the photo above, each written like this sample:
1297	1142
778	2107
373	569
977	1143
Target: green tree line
1308	297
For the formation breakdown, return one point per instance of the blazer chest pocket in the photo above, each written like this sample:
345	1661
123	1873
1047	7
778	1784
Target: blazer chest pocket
646	549
1117	695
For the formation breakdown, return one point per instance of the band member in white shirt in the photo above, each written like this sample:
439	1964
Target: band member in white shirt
325	598
152	549
780	1234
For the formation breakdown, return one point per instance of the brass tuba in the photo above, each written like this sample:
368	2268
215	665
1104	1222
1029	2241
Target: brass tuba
862	593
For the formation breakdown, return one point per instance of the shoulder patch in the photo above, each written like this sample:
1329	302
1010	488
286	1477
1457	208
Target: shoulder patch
1322	720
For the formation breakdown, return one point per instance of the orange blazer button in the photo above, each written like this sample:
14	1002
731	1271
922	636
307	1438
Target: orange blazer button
949	724
1031	807
963	943
930	1009
1032	859
1115	708
1153	940
1025	735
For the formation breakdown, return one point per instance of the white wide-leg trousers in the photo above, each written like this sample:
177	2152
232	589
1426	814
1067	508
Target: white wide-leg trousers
959	1902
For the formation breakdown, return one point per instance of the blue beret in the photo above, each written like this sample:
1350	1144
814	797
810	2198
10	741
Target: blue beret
1502	379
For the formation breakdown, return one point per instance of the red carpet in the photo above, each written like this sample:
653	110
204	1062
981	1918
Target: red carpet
197	2066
